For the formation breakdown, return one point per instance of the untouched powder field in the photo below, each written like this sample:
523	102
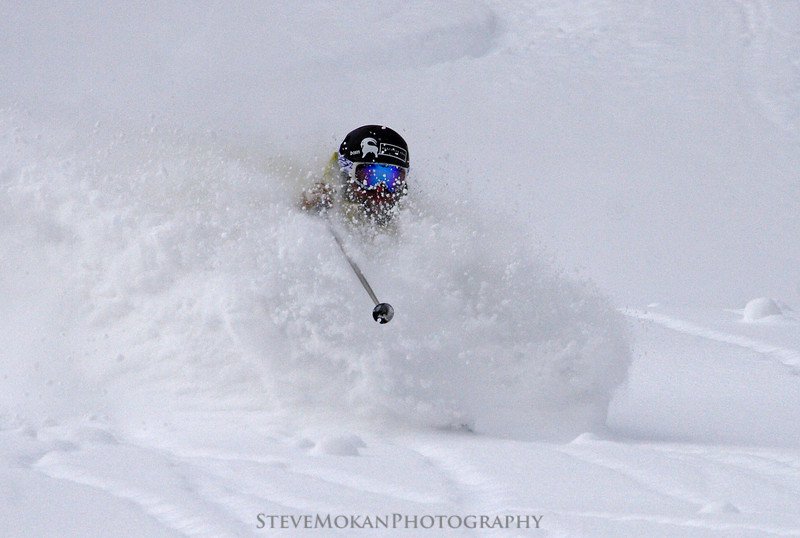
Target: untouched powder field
595	279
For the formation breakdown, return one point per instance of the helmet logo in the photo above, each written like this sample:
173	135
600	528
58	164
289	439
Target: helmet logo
369	145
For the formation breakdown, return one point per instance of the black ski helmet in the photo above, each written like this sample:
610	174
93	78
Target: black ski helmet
375	144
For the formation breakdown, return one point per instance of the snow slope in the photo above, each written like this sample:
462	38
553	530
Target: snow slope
691	450
182	350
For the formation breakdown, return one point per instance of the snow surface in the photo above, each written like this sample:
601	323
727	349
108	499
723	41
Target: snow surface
181	349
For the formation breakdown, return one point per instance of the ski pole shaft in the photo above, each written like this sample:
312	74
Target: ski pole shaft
353	265
383	312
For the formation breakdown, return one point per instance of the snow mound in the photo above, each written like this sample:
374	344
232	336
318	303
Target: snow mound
719	507
761	308
586	438
340	445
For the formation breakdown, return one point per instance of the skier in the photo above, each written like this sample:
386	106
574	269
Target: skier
365	179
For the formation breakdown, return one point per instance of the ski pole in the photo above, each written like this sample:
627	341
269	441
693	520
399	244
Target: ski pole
383	312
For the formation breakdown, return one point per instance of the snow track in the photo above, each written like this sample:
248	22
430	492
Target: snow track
628	488
176	508
788	357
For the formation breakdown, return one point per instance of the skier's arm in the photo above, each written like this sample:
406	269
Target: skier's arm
319	196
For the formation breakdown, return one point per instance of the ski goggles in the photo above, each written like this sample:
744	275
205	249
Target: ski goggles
371	175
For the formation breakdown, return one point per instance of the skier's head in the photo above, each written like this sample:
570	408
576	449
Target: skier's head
373	161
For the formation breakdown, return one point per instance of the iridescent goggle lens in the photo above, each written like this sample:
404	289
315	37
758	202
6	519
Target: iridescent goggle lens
370	175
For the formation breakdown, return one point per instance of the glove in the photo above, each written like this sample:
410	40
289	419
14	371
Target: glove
317	198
